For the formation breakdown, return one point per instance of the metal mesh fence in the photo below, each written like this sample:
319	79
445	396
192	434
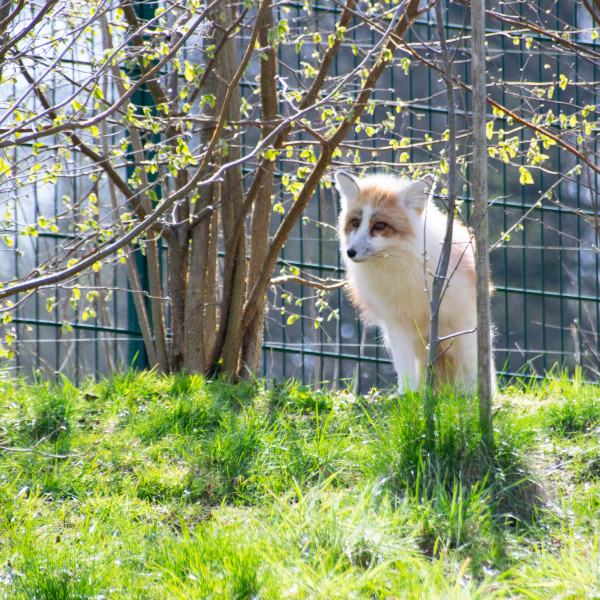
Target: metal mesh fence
545	305
85	326
545	267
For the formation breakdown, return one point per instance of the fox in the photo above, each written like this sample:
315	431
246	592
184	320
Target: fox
390	233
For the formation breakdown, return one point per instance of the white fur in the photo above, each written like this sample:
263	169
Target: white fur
388	278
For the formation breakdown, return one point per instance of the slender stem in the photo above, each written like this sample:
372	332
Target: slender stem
439	279
480	218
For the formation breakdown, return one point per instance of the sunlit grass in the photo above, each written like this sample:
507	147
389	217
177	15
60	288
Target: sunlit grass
142	486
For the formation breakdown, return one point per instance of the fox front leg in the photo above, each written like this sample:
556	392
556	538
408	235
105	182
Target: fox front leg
401	346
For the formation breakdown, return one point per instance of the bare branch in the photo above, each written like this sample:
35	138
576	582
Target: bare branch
439	278
102	161
319	285
591	10
26	30
545	133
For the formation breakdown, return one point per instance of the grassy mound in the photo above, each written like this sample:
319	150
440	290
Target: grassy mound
142	486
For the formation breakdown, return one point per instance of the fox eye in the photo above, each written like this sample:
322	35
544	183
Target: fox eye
355	222
379	225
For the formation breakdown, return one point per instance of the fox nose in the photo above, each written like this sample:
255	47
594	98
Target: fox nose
351	252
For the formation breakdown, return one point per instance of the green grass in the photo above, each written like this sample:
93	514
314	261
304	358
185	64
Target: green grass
150	487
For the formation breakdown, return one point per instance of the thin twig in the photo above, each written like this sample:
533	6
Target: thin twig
319	285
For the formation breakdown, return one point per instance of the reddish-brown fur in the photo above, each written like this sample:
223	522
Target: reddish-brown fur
385	209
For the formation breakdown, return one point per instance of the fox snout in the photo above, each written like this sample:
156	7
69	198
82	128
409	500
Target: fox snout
360	245
359	250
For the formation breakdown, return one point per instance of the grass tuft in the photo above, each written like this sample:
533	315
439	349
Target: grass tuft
459	479
570	415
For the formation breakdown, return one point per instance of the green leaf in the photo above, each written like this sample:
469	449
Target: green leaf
271	154
188	72
282	28
526	177
563	82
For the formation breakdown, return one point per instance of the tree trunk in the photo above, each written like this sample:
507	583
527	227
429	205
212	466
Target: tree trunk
234	273
204	345
200	287
156	301
261	212
178	260
235	278
480	218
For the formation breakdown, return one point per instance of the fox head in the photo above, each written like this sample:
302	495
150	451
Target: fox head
379	213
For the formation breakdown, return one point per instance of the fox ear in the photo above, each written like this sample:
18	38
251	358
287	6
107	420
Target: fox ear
347	186
416	194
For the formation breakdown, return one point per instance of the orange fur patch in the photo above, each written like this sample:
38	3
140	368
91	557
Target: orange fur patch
385	209
355	213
